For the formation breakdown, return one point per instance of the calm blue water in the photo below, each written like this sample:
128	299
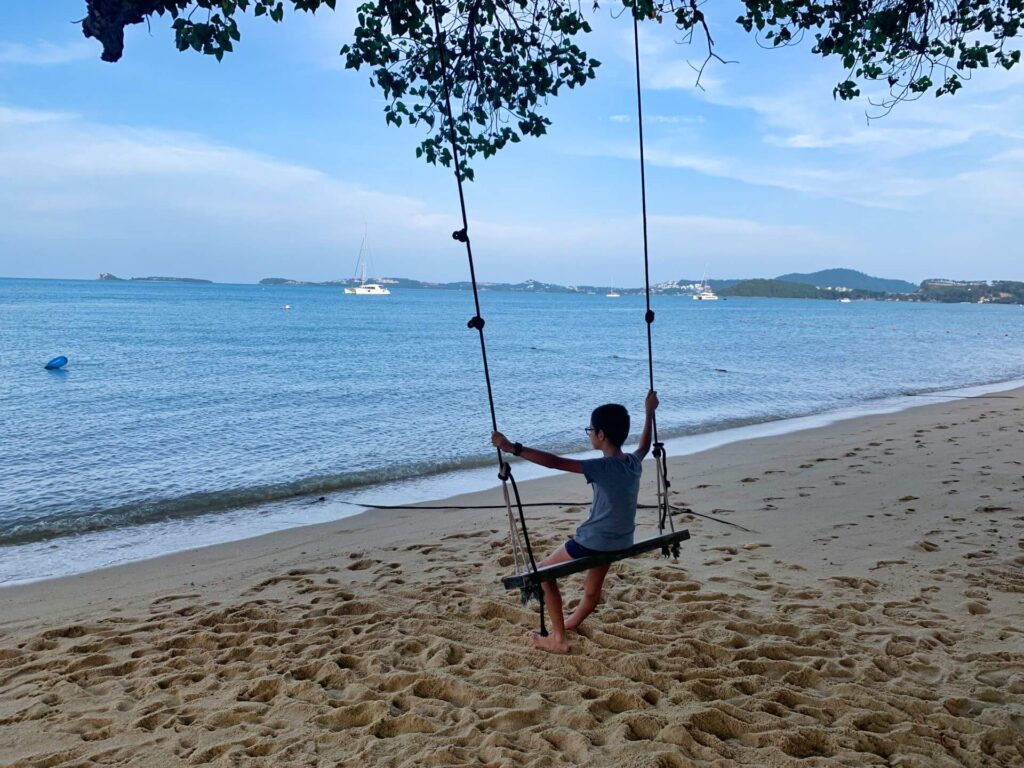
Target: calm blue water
185	402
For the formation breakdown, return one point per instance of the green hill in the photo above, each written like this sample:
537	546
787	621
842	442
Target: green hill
849	278
772	289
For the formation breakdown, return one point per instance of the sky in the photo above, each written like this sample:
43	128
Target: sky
272	162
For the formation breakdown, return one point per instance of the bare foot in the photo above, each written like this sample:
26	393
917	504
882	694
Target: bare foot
551	643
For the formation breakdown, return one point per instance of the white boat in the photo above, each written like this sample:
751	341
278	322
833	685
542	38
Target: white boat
705	293
845	300
369	289
364	288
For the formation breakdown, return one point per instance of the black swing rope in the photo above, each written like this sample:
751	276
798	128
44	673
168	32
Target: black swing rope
660	457
477	321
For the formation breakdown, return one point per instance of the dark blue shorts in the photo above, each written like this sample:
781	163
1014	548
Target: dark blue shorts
577	550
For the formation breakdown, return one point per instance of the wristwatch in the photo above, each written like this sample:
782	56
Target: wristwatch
517	449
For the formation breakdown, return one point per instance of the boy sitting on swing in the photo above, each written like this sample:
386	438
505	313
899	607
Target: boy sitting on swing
615	478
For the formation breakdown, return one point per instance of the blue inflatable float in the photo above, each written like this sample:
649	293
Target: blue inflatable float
58	362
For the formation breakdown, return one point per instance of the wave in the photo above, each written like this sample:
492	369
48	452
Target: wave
24	530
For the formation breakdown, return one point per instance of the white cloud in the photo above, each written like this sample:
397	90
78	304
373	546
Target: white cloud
70	182
655	155
619	118
43	53
772	122
677	119
669	64
133	201
10	116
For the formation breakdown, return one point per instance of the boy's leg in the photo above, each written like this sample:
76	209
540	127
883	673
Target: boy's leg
592	584
555	640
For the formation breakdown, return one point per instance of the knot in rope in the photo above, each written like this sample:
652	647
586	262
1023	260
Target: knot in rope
649	316
658	450
462	236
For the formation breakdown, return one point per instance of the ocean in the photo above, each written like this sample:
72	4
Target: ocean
191	414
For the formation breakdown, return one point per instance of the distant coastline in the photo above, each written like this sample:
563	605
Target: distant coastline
839	280
829	285
845	285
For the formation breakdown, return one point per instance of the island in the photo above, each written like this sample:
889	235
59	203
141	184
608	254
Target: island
115	278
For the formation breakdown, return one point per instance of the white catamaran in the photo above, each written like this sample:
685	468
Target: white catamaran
364	288
704	292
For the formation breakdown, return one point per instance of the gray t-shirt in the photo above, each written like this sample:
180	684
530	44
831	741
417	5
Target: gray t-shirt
616	483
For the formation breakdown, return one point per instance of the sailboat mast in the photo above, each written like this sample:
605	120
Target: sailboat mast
362	258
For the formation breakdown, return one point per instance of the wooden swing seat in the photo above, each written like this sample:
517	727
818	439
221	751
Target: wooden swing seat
668	542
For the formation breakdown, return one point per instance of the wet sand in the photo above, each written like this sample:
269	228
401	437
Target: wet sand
876	617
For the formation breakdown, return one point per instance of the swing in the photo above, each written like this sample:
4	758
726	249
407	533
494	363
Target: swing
668	543
528	577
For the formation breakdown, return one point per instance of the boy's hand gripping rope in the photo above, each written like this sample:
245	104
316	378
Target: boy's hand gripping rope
477	322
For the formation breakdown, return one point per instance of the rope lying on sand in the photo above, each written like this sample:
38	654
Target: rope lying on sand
674	510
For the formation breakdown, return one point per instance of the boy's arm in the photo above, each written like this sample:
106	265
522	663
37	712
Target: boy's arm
545	459
650	406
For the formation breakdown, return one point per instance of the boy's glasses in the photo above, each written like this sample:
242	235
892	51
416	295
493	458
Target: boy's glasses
589	430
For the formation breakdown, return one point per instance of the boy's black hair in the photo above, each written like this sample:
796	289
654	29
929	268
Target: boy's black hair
613	420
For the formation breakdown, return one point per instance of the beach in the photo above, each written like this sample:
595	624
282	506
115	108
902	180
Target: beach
874	616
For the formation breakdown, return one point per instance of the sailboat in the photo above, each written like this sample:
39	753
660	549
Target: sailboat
704	292
364	288
612	293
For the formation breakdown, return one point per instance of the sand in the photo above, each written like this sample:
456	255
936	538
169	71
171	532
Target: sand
875	618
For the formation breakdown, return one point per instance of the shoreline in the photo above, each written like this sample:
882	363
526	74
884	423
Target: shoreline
164	538
369	523
873	619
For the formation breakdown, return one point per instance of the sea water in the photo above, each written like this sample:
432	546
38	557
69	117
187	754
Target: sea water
190	413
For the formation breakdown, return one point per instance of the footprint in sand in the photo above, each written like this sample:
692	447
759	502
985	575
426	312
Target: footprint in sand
886	563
